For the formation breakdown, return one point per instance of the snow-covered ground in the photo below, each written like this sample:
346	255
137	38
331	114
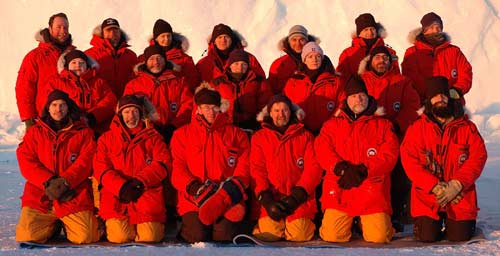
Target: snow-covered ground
473	25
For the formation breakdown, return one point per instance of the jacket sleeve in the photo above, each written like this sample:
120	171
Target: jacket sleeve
273	77
181	175
81	169
193	78
385	159
411	149
104	170
409	68
409	107
324	147
312	174
26	87
185	111
153	174
258	170
343	66
242	169
265	93
105	108
472	168
255	65
30	165
464	74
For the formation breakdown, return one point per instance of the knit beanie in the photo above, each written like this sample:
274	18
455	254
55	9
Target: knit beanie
297	30
237	55
129	100
152	50
278	98
355	85
74	54
221	29
309	48
429	19
436	85
380	49
207	96
363	21
161	27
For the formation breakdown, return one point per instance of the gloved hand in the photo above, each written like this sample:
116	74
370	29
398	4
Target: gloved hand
353	176
439	188
457	199
455	93
56	187
453	188
230	193
290	203
200	192
131	190
275	211
340	168
236	213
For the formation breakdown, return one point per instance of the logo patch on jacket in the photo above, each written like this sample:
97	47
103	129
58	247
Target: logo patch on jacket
371	152
396	106
454	73
330	106
173	107
72	157
149	160
231	161
300	163
462	158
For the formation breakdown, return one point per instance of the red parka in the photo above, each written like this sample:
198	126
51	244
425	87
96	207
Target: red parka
202	151
119	158
169	94
212	66
368	140
395	93
458	149
90	93
68	153
319	99
116	65
245	97
423	61
37	67
278	162
177	54
351	56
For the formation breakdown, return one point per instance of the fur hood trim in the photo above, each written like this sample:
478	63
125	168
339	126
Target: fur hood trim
224	103
179	40
283	42
381	31
299	113
237	34
414	33
61	62
98	32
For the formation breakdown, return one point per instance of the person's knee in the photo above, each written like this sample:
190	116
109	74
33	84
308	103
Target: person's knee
192	230
426	229
118	237
83	238
150	232
269	230
224	230
300	230
458	231
379	236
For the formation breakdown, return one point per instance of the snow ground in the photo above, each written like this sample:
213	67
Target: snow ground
473	25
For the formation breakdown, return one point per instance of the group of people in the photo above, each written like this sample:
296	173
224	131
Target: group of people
119	145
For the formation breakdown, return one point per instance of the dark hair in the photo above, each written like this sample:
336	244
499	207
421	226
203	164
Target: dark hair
60	15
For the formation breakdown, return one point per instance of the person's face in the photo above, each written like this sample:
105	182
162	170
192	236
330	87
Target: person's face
164	39
280	114
433	29
78	66
439	100
357	102
239	67
58	109
155	63
297	42
380	63
113	34
131	116
368	33
313	60
59	29
209	112
223	42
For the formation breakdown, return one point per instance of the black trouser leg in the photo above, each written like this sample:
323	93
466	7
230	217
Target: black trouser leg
427	229
192	230
460	230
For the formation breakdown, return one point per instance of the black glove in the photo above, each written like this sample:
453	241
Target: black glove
353	176
340	168
167	132
131	191
56	187
294	200
274	210
200	192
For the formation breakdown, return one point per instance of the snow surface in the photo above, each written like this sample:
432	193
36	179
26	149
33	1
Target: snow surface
473	25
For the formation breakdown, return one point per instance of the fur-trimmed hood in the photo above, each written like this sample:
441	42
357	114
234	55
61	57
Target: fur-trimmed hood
283	44
224	103
381	31
141	66
237	36
149	110
98	32
179	41
61	62
43	35
415	33
296	110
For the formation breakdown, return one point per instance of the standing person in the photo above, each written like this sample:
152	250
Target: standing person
39	65
285	66
395	93
222	42
358	150
443	155
315	88
210	171
175	46
55	159
169	94
285	173
432	54
246	91
78	78
369	34
111	50
131	162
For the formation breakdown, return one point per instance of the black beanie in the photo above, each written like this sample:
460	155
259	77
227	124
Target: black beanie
237	55
377	50
278	98
129	100
436	85
161	27
355	85
57	95
207	96
74	54
429	19
221	29
152	50
73	109
363	21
